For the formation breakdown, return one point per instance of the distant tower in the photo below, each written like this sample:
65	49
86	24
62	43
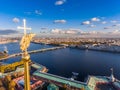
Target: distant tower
112	78
24	44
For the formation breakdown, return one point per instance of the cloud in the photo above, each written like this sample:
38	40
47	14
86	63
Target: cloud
92	26
60	21
67	31
60	2
16	20
75	29
8	31
85	23
116	31
81	33
116	25
95	19
28	13
114	21
44	28
107	27
35	12
38	12
104	22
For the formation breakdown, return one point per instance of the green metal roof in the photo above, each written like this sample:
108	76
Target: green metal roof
63	80
52	87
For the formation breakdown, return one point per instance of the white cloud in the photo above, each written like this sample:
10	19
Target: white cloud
86	23
16	20
71	32
104	22
35	12
60	21
117	24
61	31
116	31
60	2
38	12
113	21
95	19
89	33
56	31
92	26
75	29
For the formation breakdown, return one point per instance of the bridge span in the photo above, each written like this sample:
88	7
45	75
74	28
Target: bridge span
34	51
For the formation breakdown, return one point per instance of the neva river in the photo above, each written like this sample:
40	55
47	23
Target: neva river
65	61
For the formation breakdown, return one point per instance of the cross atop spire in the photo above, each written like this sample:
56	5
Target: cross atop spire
24	27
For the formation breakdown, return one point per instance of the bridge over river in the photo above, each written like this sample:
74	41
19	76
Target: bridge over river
34	51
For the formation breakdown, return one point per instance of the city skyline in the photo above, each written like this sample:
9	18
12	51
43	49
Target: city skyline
83	16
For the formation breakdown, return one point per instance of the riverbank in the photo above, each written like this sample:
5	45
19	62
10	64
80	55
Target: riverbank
102	48
6	42
50	44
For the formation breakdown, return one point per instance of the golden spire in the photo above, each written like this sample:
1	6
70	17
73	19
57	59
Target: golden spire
24	44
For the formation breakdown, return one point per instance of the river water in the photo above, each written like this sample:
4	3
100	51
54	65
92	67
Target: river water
65	61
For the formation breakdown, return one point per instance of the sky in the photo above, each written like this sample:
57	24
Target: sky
83	15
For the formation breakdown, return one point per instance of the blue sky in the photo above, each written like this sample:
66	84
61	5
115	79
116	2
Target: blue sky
86	15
